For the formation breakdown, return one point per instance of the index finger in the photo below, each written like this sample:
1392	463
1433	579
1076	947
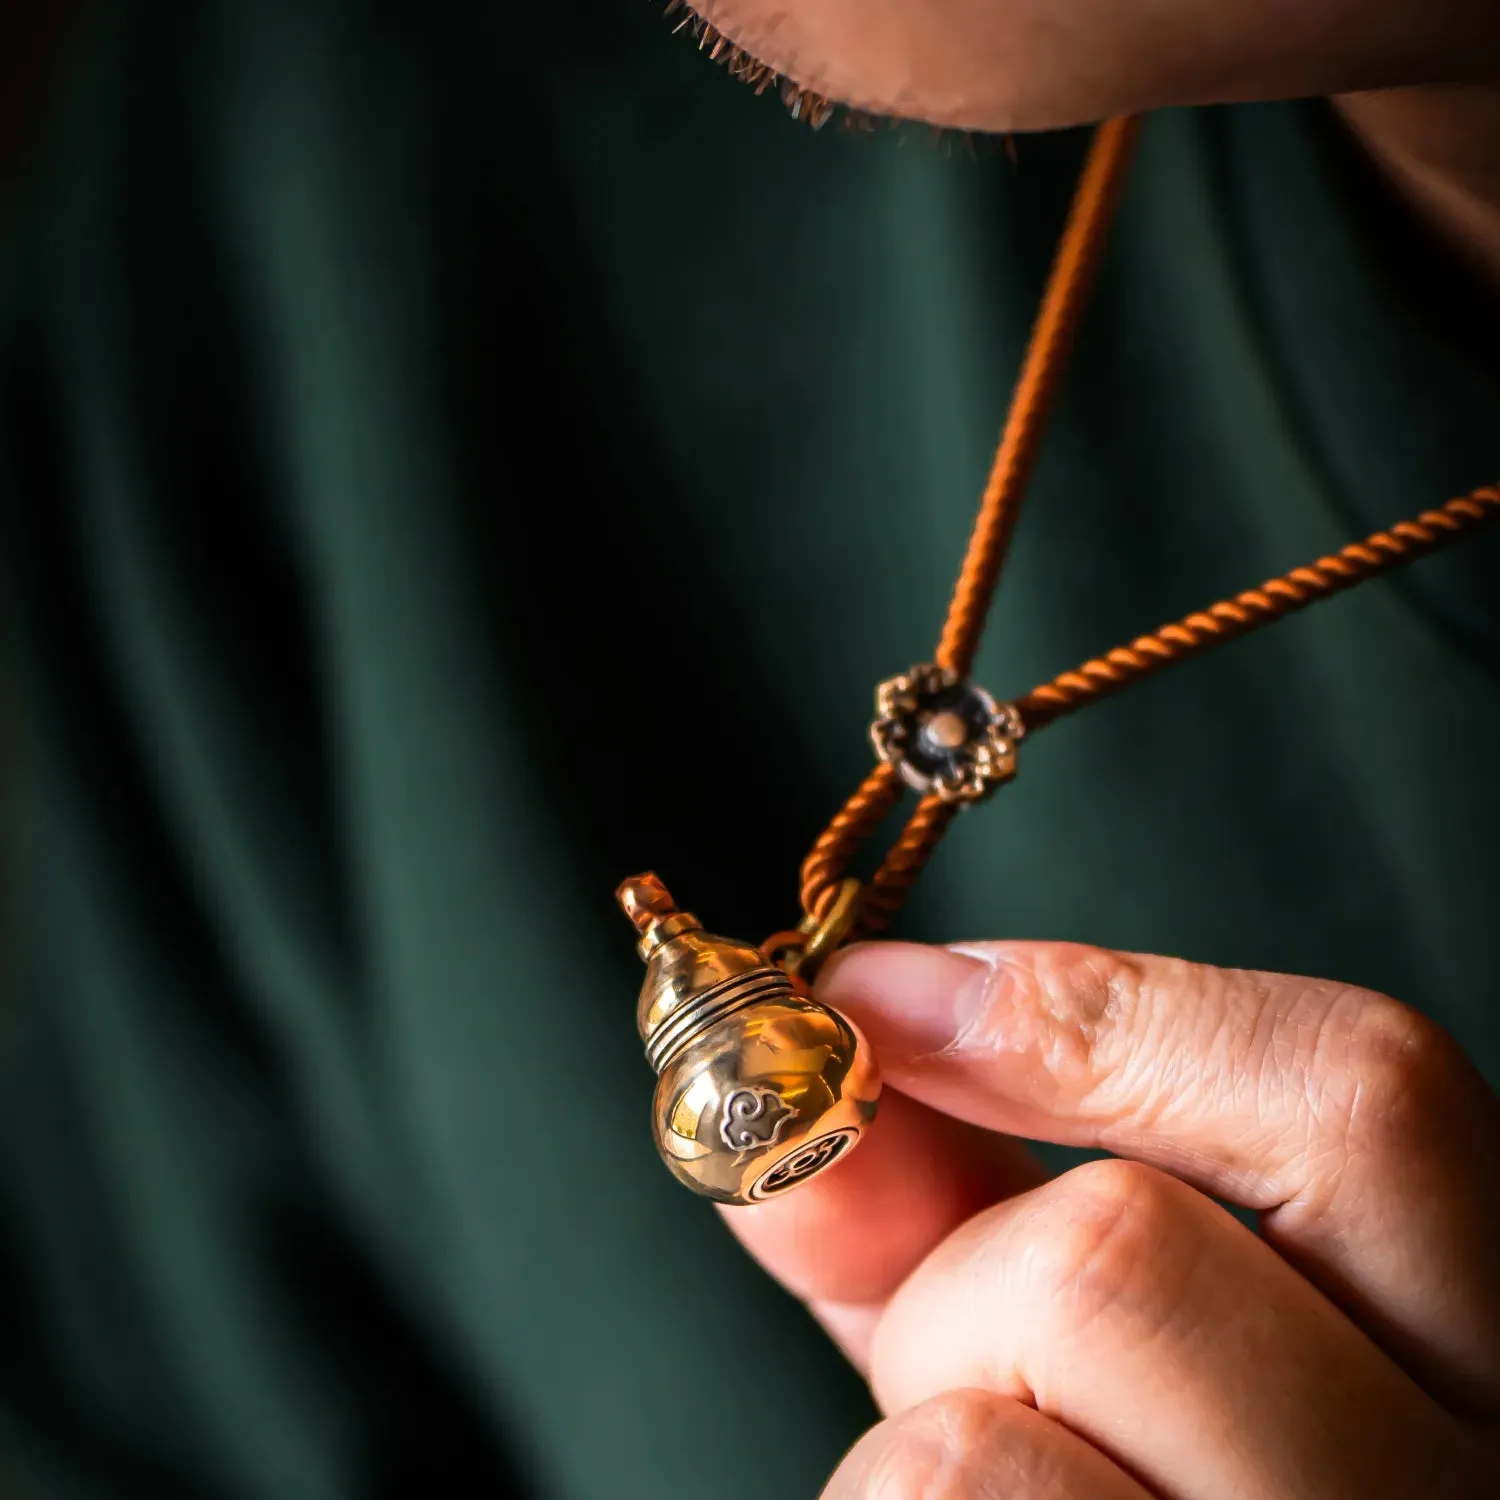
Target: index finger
847	1239
1354	1126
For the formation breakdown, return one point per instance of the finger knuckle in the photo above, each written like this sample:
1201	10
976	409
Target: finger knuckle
952	1447
1404	1075
1103	1242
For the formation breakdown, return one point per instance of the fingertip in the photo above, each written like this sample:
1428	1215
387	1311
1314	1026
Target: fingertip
908	998
974	1442
854	1233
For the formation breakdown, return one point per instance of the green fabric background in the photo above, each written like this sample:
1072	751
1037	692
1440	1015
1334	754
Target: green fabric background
452	454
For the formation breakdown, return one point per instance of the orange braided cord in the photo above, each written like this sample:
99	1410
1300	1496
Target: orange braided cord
1255	607
906	860
1072	274
1378	553
859	817
1078	255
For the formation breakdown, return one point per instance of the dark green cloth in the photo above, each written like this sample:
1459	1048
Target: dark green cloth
454	456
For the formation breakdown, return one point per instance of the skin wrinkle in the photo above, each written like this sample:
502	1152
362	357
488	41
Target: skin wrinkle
1258	1056
969	1444
1090	1266
949	1433
1117	1298
1033	1009
1115	1272
1332	1108
1081	1255
1399	1089
1411	1082
1128	1300
962	1444
1261	1053
1041	1011
1286	1063
1154	1090
1091	1031
1250	1086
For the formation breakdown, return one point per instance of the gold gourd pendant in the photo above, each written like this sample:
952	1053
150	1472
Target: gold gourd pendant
760	1087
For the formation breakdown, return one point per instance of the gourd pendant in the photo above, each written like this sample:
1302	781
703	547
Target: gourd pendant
760	1088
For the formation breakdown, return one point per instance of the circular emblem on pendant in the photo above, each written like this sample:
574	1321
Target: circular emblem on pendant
807	1161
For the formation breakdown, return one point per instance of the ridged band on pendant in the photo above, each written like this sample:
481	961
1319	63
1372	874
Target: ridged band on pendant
704	1010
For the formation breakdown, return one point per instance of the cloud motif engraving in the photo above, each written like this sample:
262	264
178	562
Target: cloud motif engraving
752	1118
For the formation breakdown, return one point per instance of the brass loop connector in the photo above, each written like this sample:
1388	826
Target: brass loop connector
825	935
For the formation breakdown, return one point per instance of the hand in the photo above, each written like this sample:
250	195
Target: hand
1114	1334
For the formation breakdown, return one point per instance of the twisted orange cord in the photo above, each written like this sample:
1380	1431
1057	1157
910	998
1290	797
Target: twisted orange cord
1229	618
1073	271
1072	275
906	859
1077	259
1225	621
854	822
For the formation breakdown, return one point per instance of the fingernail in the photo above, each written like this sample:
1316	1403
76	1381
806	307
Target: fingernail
909	999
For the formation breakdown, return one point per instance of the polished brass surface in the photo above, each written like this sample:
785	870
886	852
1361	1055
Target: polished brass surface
759	1088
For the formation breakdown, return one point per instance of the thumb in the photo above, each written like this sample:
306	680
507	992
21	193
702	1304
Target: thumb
1355	1126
